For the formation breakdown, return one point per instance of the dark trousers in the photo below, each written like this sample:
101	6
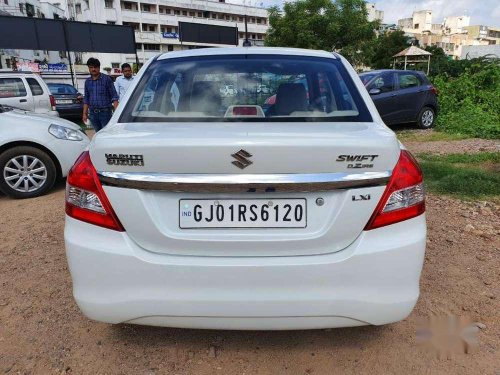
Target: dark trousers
100	117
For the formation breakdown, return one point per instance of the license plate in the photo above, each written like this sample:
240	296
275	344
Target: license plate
242	213
61	101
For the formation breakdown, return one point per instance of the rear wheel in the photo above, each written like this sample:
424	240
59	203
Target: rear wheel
26	172
426	118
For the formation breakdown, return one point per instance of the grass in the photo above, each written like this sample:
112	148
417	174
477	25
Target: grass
482	157
427	136
468	176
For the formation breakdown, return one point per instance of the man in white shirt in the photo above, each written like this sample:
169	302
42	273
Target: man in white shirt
123	82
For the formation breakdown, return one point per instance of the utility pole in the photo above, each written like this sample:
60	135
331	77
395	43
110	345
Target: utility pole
69	55
246	42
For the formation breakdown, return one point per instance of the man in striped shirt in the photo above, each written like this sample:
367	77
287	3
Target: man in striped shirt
100	96
123	82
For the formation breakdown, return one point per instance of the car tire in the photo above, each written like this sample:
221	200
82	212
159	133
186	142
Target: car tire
26	172
426	118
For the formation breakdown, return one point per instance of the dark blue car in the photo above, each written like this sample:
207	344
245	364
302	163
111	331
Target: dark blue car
402	96
69	102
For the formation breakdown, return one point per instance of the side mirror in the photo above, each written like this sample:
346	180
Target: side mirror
374	91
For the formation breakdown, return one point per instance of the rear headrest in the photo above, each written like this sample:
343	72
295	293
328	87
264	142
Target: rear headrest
206	98
290	97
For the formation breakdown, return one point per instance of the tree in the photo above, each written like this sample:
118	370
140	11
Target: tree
340	25
381	51
439	62
444	65
436	51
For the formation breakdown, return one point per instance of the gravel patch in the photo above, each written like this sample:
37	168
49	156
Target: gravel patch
469	146
42	330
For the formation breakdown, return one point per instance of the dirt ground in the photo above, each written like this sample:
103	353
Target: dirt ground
454	147
43	332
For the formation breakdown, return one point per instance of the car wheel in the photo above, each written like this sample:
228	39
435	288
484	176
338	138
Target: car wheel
426	118
26	172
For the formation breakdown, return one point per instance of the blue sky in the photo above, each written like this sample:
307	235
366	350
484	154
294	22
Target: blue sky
482	12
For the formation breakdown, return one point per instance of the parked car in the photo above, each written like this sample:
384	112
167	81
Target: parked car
403	96
69	102
262	89
214	215
26	91
35	150
228	90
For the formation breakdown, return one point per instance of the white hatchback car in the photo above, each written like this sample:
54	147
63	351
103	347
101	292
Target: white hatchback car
194	210
35	150
26	91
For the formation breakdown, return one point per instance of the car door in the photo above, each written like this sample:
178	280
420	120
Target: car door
411	95
41	99
386	100
13	92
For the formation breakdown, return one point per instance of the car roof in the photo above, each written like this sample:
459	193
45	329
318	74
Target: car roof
247	51
390	70
14	73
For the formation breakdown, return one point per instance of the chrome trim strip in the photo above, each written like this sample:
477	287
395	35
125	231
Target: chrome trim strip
242	183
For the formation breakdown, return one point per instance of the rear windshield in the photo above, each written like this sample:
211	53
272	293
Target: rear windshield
245	88
61	89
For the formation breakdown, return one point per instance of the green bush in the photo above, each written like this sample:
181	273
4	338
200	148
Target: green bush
470	103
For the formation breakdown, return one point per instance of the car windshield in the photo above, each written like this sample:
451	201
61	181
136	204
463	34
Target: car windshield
245	88
56	88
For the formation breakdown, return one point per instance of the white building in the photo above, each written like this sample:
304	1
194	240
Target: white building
156	23
419	22
455	24
373	13
451	35
31	8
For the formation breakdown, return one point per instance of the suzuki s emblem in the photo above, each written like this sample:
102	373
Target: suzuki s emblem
242	160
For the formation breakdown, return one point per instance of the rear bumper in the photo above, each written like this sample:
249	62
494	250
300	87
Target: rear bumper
373	281
70	110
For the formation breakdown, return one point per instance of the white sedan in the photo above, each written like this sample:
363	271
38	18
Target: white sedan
35	150
195	210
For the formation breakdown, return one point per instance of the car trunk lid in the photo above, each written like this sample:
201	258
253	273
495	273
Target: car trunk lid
149	169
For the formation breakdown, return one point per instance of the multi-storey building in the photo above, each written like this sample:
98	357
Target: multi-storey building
455	24
450	35
373	13
489	34
156	23
30	8
419	22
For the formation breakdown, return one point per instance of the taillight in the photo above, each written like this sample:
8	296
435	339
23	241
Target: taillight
52	102
434	90
245	111
404	196
85	197
79	99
